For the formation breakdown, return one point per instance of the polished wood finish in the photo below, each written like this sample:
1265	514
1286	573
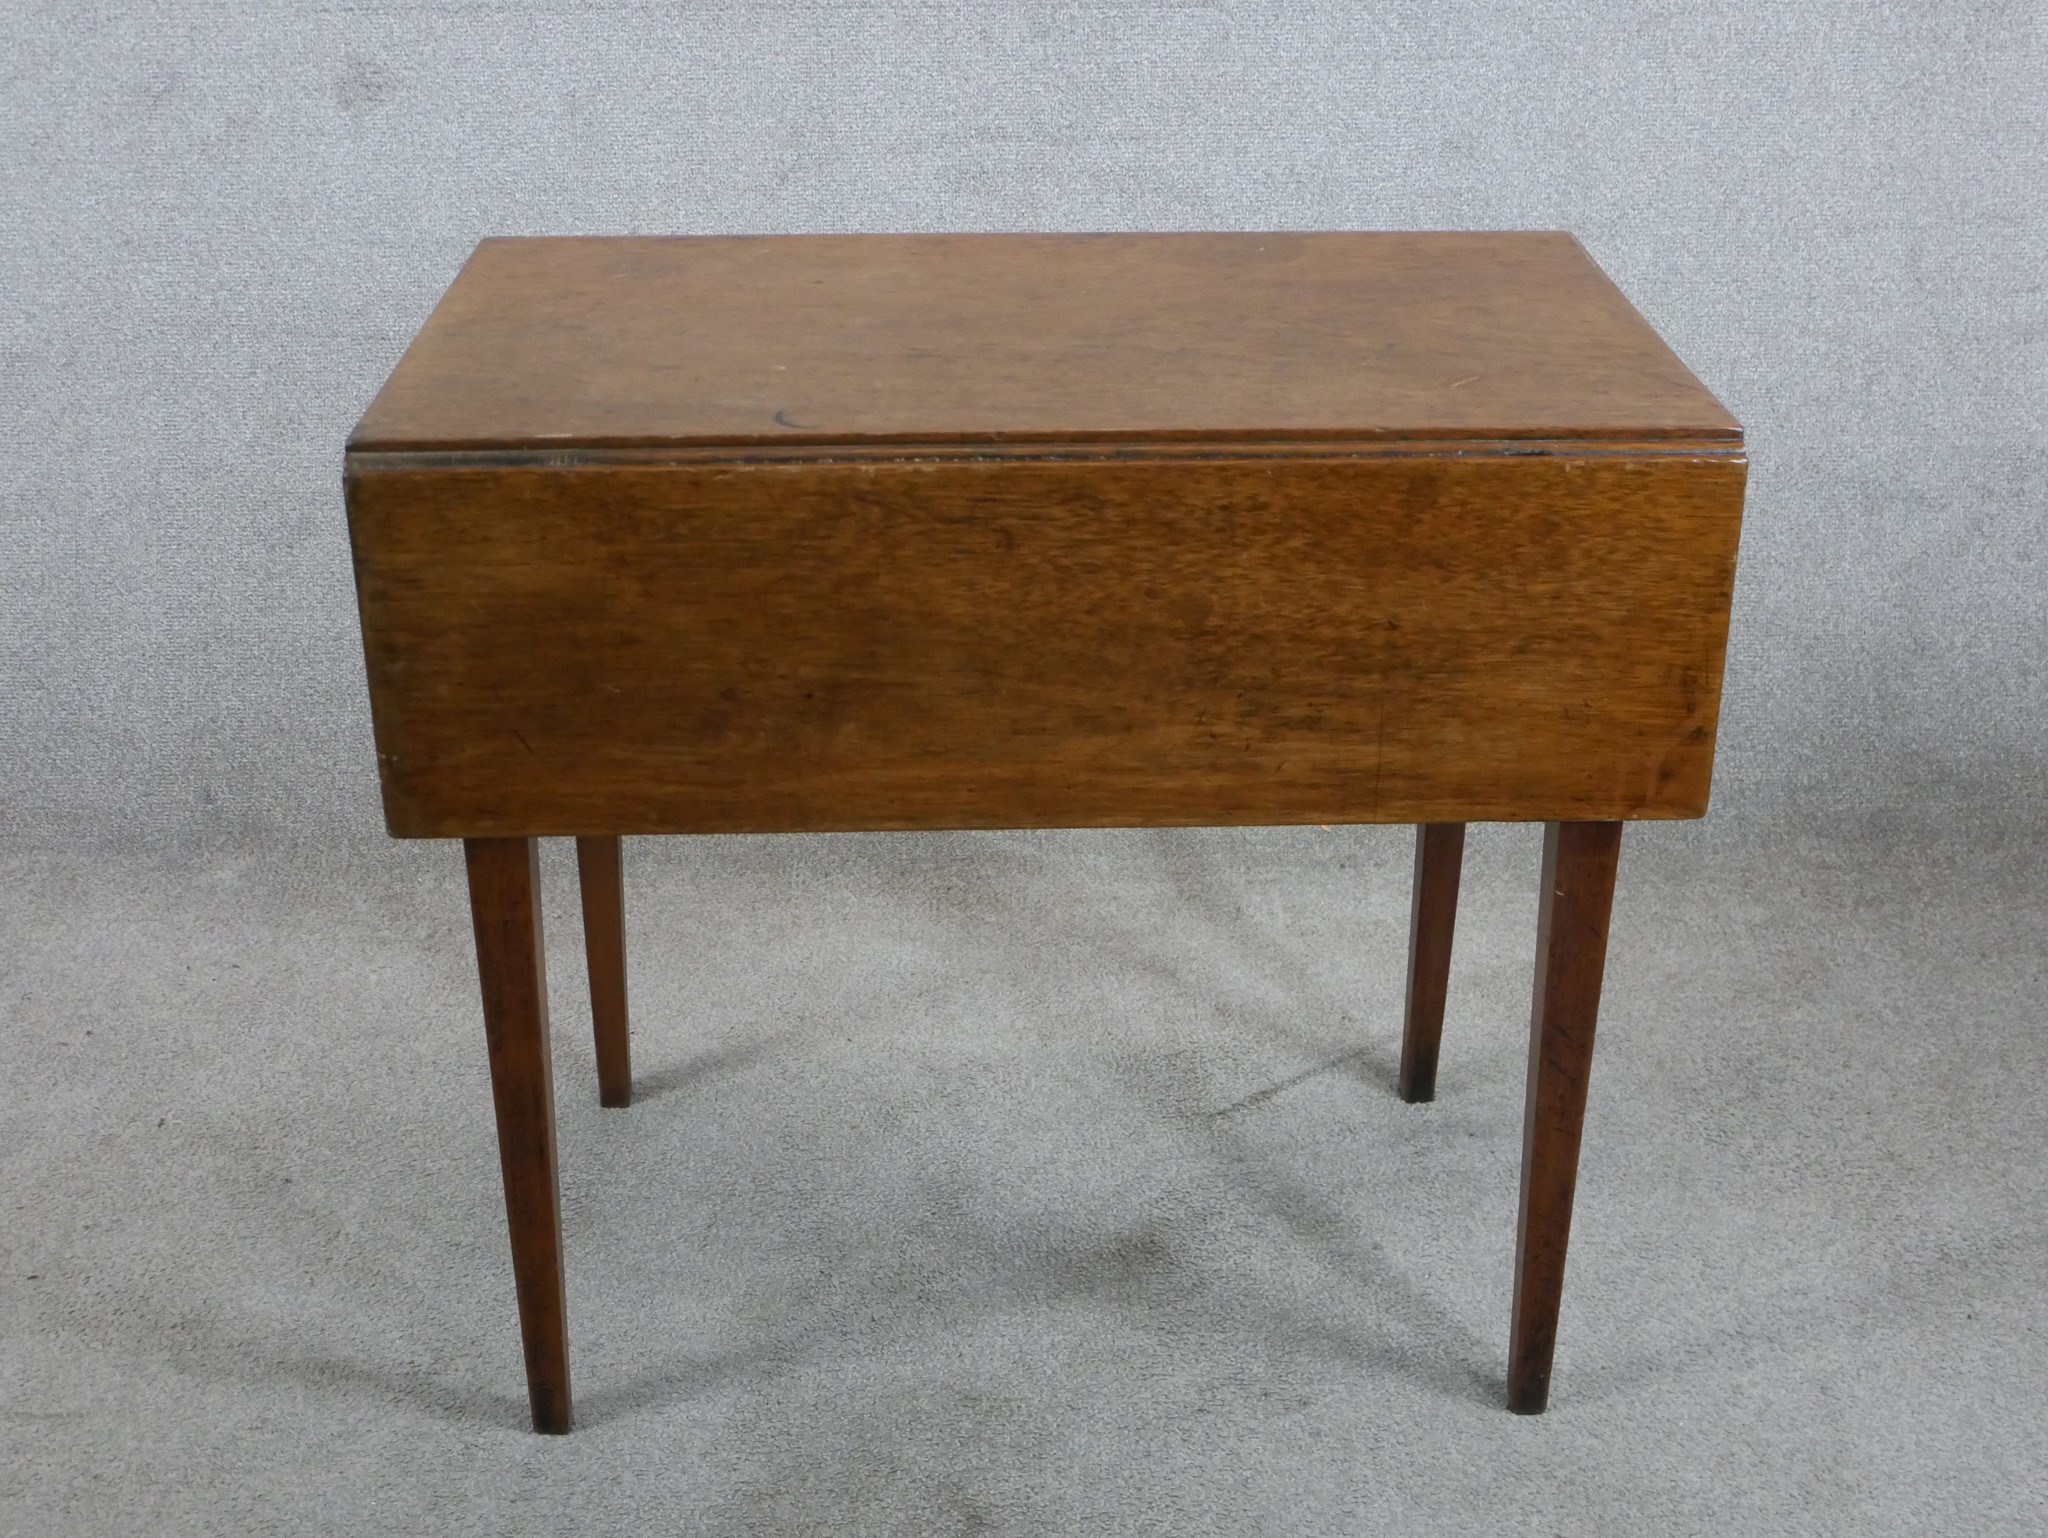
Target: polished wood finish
1576	895
1433	915
504	898
990	643
834	340
600	872
787	534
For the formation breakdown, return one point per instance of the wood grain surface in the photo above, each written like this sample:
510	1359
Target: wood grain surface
978	643
504	899
852	339
601	878
1575	899
1432	921
785	534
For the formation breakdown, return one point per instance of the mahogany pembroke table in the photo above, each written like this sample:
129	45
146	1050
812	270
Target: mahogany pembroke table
792	534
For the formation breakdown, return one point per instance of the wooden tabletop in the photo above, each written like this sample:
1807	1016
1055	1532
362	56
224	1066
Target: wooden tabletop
694	343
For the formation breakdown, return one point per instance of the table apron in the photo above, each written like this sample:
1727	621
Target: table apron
797	646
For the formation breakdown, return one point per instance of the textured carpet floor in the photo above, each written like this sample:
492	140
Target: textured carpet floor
1029	1184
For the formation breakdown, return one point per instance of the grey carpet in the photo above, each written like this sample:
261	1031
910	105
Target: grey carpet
1024	1184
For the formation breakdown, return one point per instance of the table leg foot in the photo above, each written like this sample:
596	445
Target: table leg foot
1439	855
504	899
600	873
1571	952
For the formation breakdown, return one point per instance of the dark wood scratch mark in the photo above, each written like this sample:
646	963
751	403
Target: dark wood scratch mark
1379	750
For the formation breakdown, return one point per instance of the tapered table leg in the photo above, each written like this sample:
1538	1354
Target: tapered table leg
504	900
1439	853
1571	953
600	873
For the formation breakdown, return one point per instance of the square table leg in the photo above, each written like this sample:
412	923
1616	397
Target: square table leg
1571	952
600	874
1439	854
504	900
